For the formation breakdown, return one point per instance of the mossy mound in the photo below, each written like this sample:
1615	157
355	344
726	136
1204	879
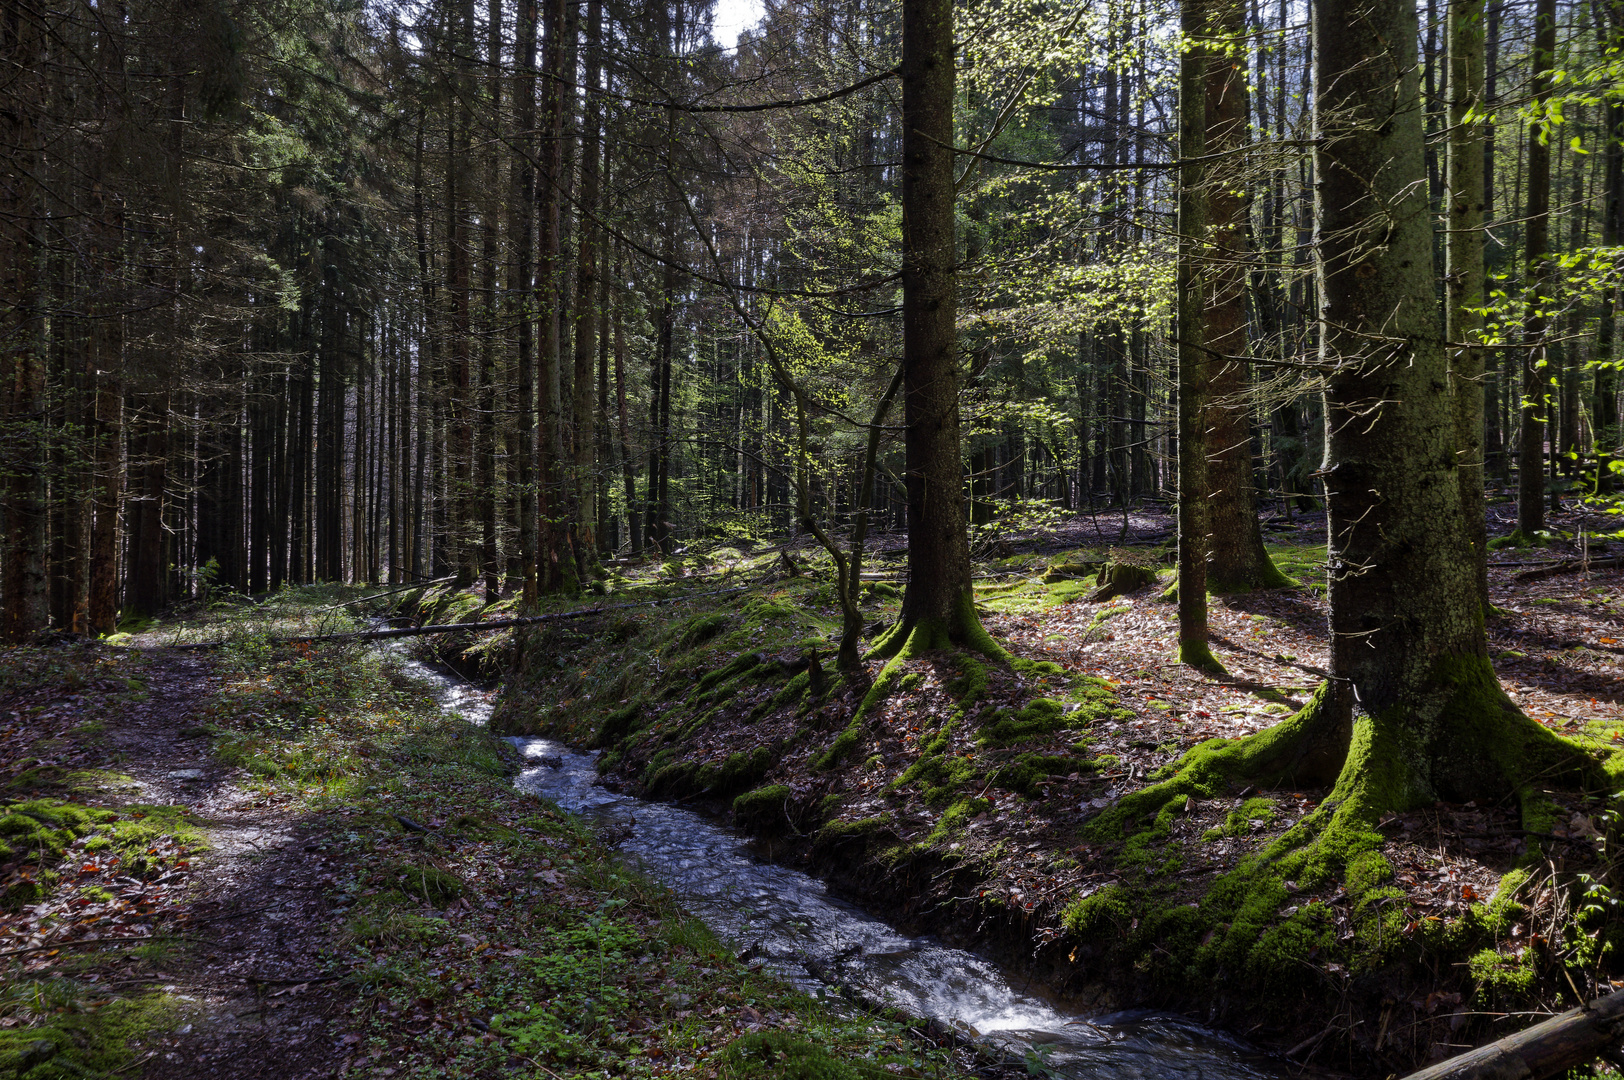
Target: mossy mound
766	809
779	1056
1119	578
1070	570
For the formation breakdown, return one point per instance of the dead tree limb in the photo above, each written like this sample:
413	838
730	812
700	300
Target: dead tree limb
1569	566
1564	1042
467	627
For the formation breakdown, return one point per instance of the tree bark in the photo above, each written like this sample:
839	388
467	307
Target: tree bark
938	608
1236	558
1536	379
1463	266
1195	64
1408	648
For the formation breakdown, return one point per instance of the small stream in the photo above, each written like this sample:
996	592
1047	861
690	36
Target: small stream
791	920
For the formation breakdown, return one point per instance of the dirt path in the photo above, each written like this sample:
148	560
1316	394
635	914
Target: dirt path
289	863
241	908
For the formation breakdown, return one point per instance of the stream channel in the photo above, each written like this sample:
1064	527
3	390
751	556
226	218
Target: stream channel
794	923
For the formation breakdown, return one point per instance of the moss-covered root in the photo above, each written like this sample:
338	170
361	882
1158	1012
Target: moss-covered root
1475	744
913	636
1308	747
1480	745
1198	654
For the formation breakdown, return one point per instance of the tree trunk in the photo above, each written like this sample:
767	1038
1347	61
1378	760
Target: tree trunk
1236	558
1408	647
1463	265
582	413
1195	70
1536	381
1604	402
23	610
553	566
938	607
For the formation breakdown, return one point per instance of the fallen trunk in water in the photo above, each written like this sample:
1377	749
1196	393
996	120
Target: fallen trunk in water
1574	1038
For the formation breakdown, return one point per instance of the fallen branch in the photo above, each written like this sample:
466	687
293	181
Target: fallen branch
1564	1042
1568	566
397	589
467	627
85	943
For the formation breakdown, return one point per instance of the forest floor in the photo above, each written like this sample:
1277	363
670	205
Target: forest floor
286	862
961	802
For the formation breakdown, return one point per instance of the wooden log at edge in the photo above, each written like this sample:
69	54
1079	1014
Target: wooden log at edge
470	627
1569	566
1574	1038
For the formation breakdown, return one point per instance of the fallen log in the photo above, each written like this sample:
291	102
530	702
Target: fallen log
1564	1042
467	627
1569	566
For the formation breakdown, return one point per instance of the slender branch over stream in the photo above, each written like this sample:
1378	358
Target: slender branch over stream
471	627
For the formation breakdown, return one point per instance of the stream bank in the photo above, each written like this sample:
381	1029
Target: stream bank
284	862
964	802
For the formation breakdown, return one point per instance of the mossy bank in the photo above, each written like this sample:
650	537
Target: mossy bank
1013	806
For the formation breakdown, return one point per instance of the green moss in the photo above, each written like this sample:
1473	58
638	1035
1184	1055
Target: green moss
780	1056
71	1042
1105	910
1027	773
1039	718
761	808
1503	977
955	817
670	781
737	773
1119	578
1239	822
1366	872
942	775
617	725
836	832
700	629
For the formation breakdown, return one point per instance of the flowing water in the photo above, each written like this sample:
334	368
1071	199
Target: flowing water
791	920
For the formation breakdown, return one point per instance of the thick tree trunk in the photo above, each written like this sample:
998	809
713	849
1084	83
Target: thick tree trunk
1408	648
1236	558
583	429
459	256
23	609
1195	66
938	607
1463	264
1536	376
490	214
523	211
555	573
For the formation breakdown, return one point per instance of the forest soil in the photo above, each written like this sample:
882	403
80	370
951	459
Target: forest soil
935	820
333	878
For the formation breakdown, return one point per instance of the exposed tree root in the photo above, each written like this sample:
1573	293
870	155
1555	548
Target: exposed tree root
910	639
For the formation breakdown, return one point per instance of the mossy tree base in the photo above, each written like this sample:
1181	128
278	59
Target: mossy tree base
910	639
1198	654
1478	745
